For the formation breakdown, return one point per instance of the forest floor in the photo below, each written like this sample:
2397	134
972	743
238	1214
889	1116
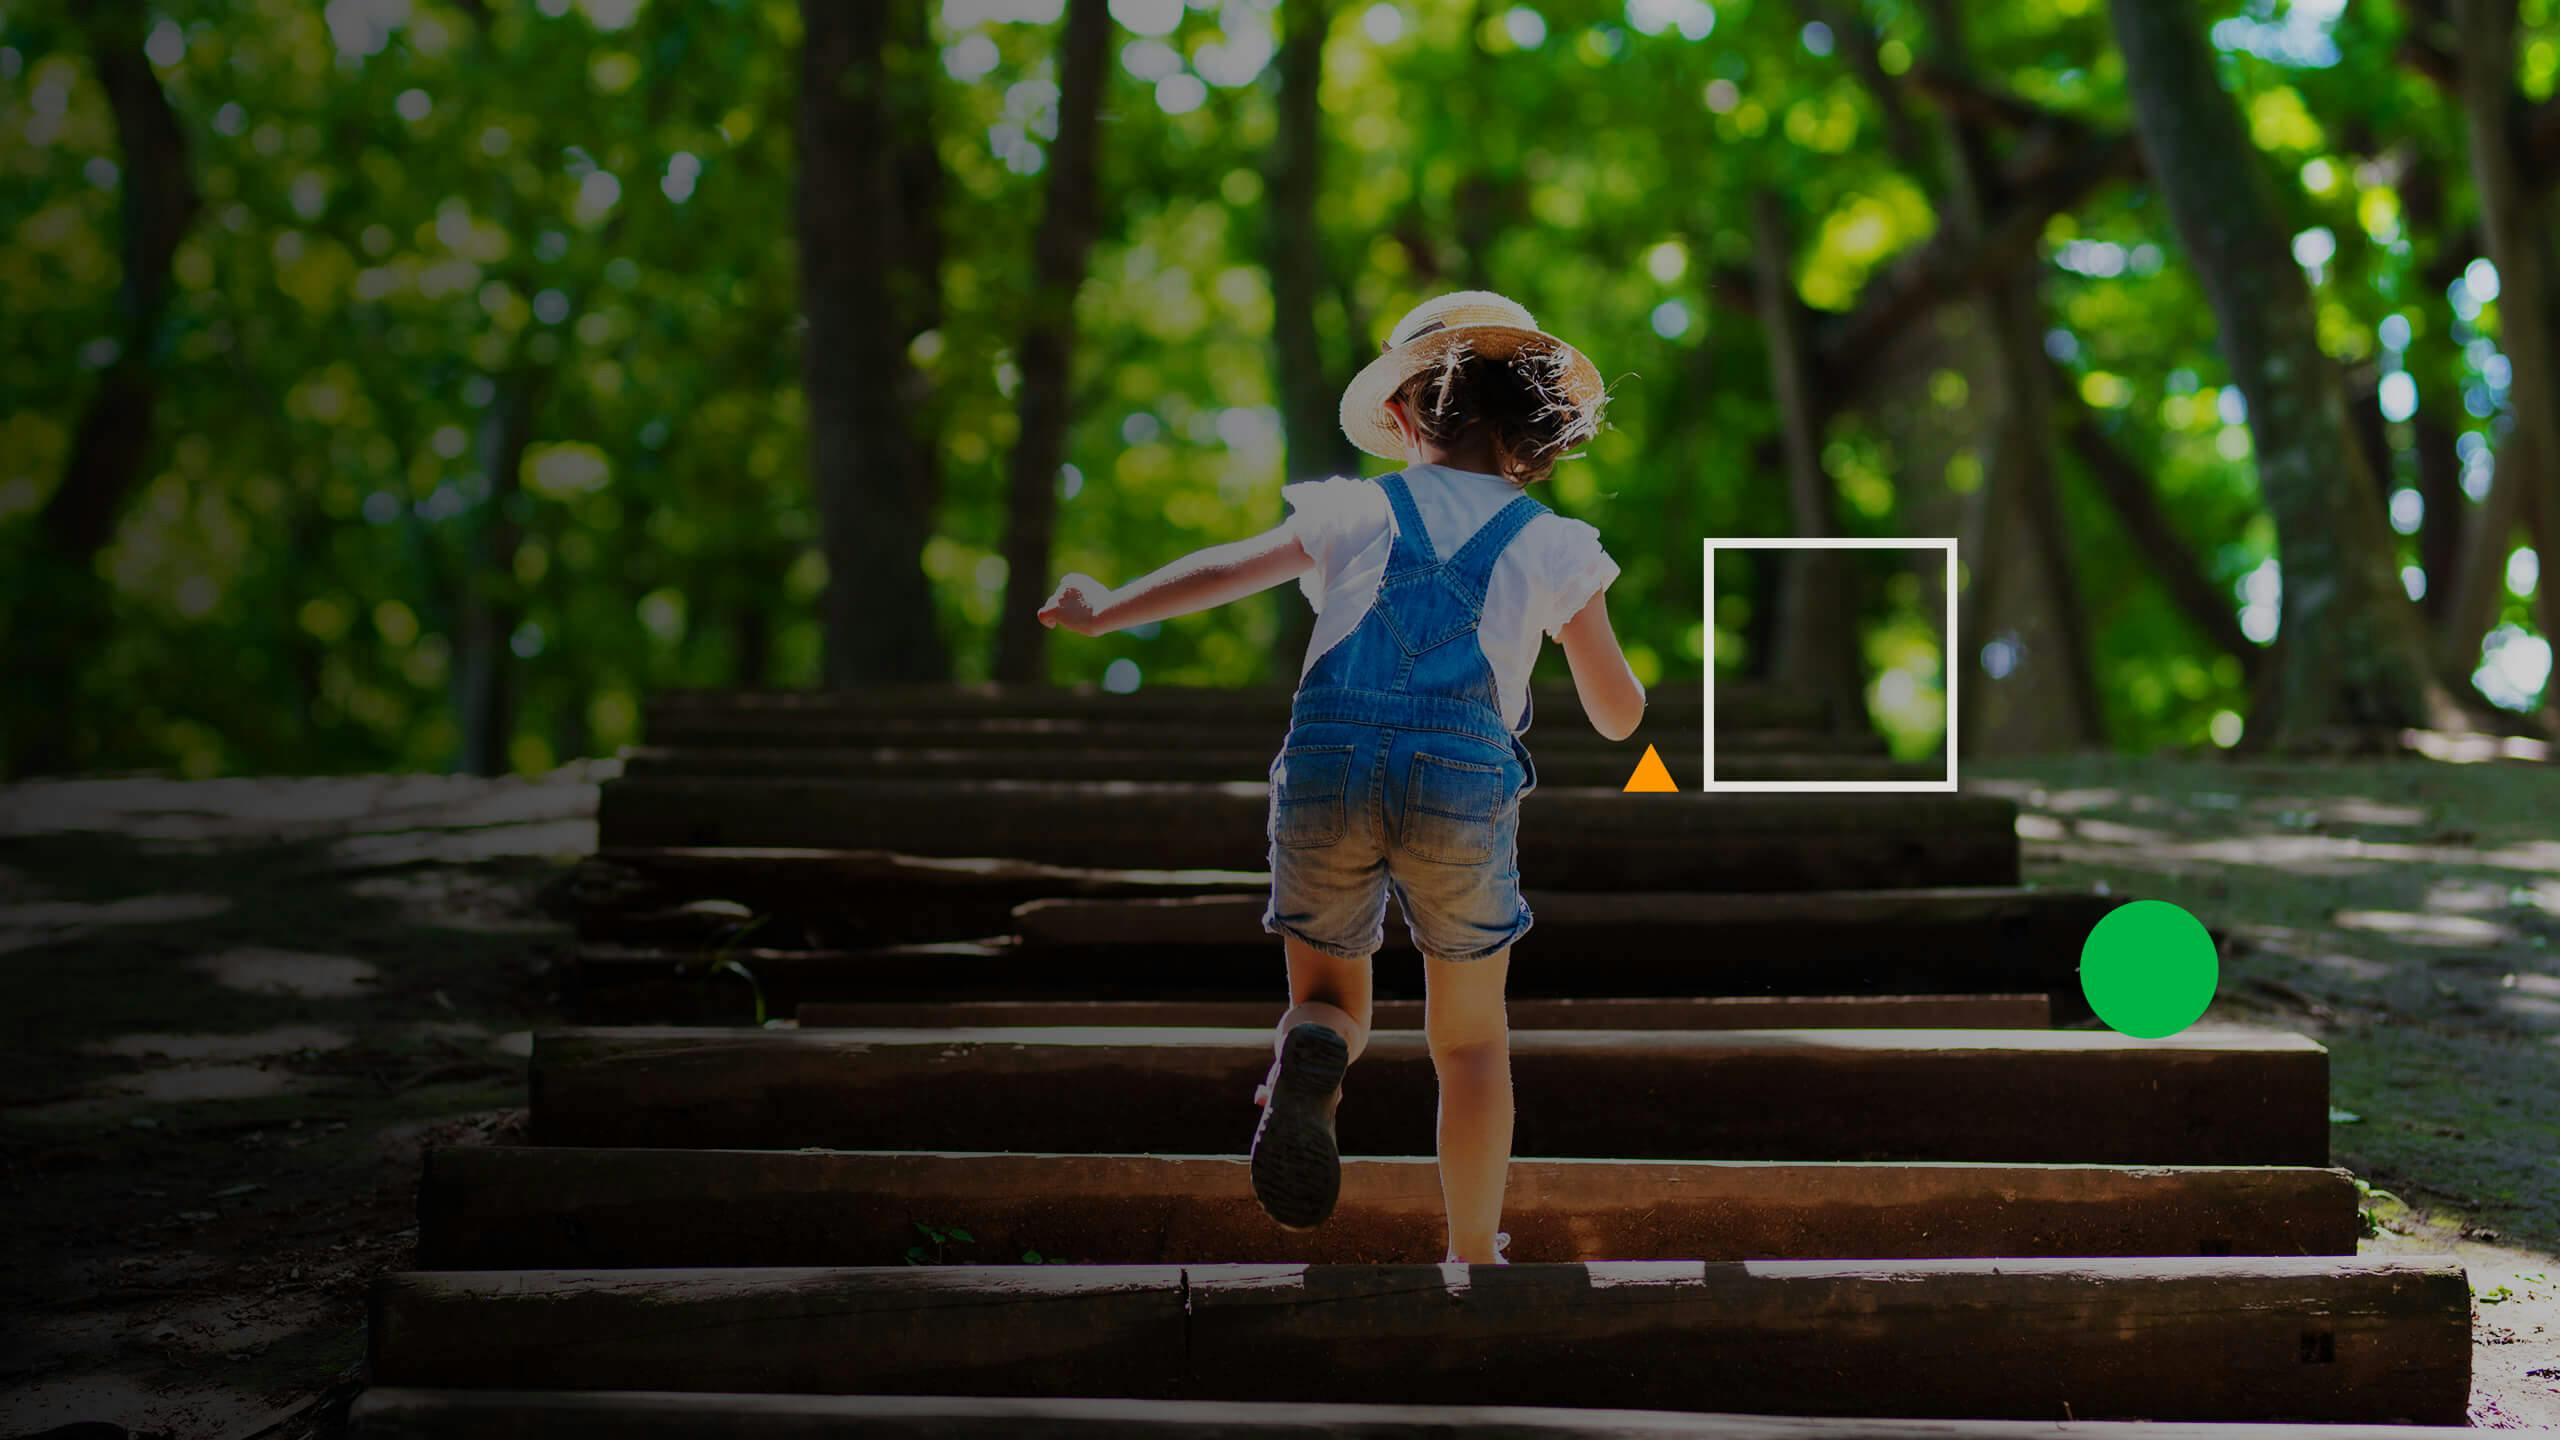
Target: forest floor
240	1009
2406	915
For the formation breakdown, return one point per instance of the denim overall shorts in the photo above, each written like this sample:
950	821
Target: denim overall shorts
1398	773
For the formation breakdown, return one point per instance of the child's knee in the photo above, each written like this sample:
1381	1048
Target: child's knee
1467	1042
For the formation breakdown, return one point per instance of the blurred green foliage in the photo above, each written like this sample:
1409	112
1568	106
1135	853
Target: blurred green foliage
411	203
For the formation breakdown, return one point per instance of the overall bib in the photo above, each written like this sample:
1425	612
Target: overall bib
1399	774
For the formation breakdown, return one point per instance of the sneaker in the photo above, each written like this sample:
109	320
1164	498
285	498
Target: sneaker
1297	1170
1501	1242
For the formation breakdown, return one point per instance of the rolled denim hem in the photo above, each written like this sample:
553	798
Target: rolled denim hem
1488	952
1282	927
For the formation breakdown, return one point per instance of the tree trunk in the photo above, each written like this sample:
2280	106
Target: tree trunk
2440	532
2439	464
160	200
2353	660
868	243
1310	392
2517	235
484	680
2147	524
1046	360
1817	649
64	616
750	644
2489	531
2021	484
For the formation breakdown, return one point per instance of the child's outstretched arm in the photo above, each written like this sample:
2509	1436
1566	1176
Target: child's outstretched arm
1611	694
1201	580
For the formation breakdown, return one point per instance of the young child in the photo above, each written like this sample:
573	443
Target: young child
1403	768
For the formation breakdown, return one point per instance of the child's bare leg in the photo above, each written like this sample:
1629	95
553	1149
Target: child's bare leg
1329	990
1471	1048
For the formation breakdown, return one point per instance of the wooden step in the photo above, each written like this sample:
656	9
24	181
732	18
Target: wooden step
1869	924
2285	1339
1225	763
2206	1097
835	897
384	1413
1673	735
1570	839
808	942
1718	1012
1739	705
800	879
669	984
488	1208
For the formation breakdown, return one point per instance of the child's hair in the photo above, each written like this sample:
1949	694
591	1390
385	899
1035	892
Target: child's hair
1518	403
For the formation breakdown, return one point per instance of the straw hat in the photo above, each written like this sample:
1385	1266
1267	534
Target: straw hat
1492	325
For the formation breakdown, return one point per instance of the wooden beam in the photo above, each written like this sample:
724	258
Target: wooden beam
1692	1012
1868	923
613	983
1739	704
811	898
809	936
1586	839
1748	717
2305	1340
1676	733
1557	765
2206	1097
386	1413
503	1207
651	874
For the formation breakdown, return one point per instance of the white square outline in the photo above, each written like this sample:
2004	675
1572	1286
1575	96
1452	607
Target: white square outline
1826	787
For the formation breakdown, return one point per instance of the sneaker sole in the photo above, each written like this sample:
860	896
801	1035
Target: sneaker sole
1297	1168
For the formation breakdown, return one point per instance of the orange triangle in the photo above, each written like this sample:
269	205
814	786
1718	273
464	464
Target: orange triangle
1650	777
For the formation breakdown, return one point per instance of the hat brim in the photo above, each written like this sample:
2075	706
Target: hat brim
1365	421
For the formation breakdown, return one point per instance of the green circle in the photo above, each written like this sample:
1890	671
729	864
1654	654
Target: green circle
2149	969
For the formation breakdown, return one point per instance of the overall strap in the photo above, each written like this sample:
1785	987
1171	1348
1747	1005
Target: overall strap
1474	561
1412	548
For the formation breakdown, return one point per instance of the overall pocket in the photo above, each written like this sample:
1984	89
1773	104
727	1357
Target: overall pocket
1453	808
1308	783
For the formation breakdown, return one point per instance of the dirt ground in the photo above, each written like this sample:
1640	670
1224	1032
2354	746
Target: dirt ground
2407	915
239	1009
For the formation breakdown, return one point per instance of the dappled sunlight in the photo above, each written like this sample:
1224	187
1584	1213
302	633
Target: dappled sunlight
2465	749
2068	801
466	1035
261	971
2351	966
54	922
2538	1011
124	1095
2423	928
573	836
2369	812
289	809
2468	895
2325	854
195	1083
2109	832
277	1041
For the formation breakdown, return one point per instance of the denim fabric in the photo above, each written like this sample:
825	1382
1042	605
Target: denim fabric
1398	775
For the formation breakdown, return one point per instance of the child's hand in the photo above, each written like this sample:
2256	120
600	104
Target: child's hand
1074	603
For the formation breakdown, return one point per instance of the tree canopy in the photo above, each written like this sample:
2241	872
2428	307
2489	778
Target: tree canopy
459	344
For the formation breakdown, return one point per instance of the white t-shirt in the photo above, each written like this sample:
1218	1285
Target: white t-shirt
1542	579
